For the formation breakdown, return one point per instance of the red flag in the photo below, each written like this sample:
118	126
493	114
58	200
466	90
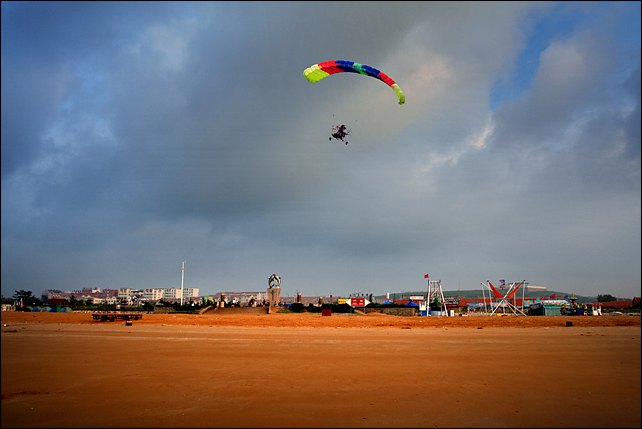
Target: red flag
495	291
425	276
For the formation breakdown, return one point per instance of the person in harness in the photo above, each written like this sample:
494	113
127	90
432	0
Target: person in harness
340	132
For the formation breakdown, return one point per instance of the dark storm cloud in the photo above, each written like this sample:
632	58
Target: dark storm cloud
135	135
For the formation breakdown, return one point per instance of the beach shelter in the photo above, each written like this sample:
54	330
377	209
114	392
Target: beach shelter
412	304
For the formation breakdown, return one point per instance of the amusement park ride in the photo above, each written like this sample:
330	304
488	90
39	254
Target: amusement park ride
505	300
435	295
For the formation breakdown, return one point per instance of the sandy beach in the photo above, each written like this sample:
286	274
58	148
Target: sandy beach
307	370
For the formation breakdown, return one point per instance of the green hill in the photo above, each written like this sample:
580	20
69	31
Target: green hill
477	293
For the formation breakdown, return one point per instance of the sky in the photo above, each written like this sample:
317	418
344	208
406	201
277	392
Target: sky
138	135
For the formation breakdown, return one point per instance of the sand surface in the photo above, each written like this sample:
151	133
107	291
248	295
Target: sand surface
289	370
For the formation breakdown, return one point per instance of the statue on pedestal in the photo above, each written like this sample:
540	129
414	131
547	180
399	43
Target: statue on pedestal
273	291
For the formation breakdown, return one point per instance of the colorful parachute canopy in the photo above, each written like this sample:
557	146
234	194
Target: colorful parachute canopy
322	70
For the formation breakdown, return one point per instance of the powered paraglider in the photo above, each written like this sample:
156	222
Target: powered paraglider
340	132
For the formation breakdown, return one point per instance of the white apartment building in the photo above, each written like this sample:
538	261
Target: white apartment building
156	294
175	293
171	293
153	294
125	294
189	292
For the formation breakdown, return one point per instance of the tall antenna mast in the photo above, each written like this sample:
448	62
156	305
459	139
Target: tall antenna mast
182	278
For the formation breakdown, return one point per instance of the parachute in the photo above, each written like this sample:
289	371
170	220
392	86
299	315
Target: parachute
322	70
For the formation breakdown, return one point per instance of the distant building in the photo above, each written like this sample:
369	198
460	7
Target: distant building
153	295
241	298
171	294
616	305
126	296
174	294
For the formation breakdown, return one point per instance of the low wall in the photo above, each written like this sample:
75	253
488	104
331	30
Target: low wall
238	310
408	311
164	310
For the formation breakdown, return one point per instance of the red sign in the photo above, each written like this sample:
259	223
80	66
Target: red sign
358	302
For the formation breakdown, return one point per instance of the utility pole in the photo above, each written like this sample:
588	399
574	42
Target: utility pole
182	278
427	277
